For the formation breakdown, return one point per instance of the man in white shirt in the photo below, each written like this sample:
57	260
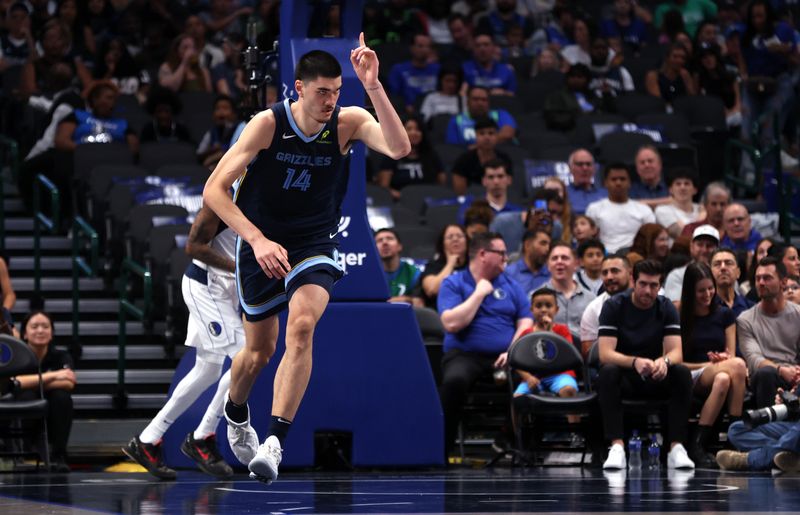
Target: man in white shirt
616	273
618	217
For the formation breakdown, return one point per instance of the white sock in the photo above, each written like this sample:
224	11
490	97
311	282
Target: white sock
208	426
199	378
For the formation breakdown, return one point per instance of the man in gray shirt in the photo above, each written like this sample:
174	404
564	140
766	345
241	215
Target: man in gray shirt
572	298
769	335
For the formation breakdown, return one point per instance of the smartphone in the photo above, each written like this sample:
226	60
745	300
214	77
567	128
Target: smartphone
540	205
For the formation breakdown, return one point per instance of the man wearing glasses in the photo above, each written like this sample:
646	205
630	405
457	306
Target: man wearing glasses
482	311
583	191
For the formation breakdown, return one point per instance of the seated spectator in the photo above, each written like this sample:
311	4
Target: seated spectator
770	445
628	26
530	270
401	276
211	55
218	139
708	336
228	77
650	189
225	17
58	380
557	185
415	78
463	43
583	229
762	248
792	288
609	79
501	19
583	190
54	41
680	211
436	20
482	312
788	256
544	309
451	256
705	241
616	272
739	232
640	353
182	70
713	79
468	168
543	213
514	47
496	181
547	60
478	218
672	80
461	129
693	13
115	64
578	52
651	242
17	42
618	217
726	272
769	335
9	298
572	296
715	199
447	98
558	33
164	105
421	166
590	256
484	71
562	108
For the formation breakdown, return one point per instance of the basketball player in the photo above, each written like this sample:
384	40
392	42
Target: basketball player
215	330
292	162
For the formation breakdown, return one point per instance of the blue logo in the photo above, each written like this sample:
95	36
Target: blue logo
5	354
499	294
215	328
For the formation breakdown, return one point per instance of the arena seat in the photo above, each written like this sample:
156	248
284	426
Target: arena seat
152	155
674	127
632	105
622	146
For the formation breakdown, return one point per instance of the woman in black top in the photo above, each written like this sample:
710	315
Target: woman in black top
421	166
713	79
58	380
451	256
708	334
672	80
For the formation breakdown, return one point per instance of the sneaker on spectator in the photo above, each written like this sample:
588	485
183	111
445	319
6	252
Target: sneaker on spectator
732	460
264	466
148	456
787	461
678	458
616	458
206	455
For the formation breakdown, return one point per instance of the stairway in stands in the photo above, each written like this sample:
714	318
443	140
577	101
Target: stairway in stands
99	428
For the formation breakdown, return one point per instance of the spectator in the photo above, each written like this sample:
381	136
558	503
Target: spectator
55	40
762	248
583	191
225	17
616	273
451	257
461	129
572	297
16	42
211	55
115	63
515	44
478	218
544	309
693	12
414	78
792	288
713	79
708	336
769	335
468	168
650	189
436	20
164	105
618	217
421	166
503	17
484	71
401	276
547	60
563	107
628	27
583	229
496	181
739	232
83	44
788	256
9	297
705	241
681	210
640	353
558	33
651	242
447	98
228	76
58	381
609	79
578	52
530	270
482	311
512	226
463	43
557	185
715	199
672	80
590	256
182	70
726	272
218	139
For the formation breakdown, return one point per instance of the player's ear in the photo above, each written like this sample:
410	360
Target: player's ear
298	86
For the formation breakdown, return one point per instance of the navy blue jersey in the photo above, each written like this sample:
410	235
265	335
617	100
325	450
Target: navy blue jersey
293	190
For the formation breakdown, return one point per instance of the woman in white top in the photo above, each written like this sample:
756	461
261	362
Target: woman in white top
447	99
680	210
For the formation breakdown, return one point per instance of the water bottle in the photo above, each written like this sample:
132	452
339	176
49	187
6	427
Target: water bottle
653	454
635	451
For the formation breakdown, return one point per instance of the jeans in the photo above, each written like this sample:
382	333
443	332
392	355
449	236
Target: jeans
762	443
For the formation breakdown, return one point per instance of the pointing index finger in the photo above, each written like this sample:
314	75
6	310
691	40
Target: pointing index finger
361	39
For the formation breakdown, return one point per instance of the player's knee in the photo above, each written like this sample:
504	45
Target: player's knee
300	332
257	359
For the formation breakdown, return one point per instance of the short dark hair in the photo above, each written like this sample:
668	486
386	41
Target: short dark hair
777	263
225	98
544	290
160	95
618	165
386	229
315	64
591	243
621	257
481	241
485	122
681	173
649	267
561	244
496	162
533	233
724	250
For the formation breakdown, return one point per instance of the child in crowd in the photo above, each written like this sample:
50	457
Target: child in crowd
591	253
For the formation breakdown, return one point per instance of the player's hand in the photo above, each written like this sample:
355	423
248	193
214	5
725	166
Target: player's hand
272	257
484	288
365	63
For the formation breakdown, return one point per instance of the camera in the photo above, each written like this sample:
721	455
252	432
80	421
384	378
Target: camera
789	410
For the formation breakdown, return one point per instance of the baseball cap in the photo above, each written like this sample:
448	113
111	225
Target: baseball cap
706	230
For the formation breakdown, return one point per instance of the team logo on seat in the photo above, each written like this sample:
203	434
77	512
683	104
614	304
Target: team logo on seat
215	328
545	350
5	354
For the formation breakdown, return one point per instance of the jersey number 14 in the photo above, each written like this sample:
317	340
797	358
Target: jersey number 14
302	182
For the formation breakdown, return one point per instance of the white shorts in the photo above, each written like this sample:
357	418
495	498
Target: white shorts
215	325
696	373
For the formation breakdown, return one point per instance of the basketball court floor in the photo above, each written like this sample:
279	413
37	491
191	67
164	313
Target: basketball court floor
501	490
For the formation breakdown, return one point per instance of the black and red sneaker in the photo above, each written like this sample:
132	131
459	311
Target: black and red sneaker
149	456
206	454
